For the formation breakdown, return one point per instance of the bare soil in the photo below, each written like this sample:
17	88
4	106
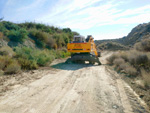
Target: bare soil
69	88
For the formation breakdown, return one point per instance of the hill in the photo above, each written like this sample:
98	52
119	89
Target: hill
134	64
140	32
29	45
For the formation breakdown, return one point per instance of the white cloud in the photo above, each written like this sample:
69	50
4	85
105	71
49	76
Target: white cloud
80	14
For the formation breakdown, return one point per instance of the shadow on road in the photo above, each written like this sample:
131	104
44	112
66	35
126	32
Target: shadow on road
65	66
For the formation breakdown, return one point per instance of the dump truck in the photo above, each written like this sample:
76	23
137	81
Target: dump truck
83	50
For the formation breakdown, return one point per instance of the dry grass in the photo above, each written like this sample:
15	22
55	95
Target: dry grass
1	72
130	62
13	68
131	70
112	58
7	51
118	61
146	77
124	55
143	46
8	65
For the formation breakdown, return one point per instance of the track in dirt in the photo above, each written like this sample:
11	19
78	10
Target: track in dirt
70	88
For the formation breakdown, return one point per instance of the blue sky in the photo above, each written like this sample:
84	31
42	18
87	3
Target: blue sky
104	19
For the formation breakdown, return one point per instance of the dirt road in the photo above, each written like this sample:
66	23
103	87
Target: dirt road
71	88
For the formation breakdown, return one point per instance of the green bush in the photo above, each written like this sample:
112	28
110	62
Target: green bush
51	43
10	25
4	61
1	35
61	54
59	40
44	58
7	51
24	52
9	65
40	38
27	64
13	68
18	35
35	56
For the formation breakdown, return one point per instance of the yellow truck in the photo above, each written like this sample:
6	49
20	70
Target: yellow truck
83	50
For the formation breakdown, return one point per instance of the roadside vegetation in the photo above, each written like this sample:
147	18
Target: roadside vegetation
29	45
135	62
135	66
112	46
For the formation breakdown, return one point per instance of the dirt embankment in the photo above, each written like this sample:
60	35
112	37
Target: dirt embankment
69	88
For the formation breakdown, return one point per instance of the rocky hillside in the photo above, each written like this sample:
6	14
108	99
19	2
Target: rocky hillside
140	32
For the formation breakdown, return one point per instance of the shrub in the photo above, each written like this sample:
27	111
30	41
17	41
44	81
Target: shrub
27	64
1	35
142	60
143	46
65	38
146	44
18	36
40	38
132	55
137	58
10	26
146	77
124	55
124	61
44	58
26	58
4	61
1	72
51	43
34	56
59	40
118	61
61	54
112	58
13	68
24	52
66	30
7	51
131	70
124	66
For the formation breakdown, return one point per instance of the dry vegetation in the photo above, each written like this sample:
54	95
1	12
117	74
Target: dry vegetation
135	65
131	62
111	46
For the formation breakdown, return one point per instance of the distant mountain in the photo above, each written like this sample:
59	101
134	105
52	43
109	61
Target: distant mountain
140	32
